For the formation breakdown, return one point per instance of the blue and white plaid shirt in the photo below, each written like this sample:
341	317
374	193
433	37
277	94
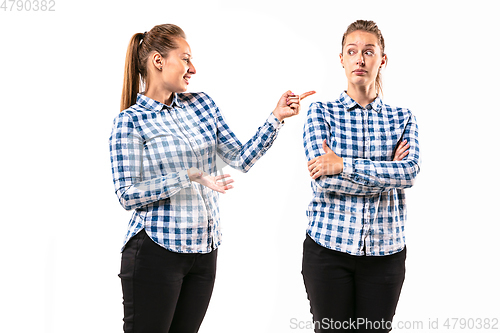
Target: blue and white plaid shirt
362	210
152	145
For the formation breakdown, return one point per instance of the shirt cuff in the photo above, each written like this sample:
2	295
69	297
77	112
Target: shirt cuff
275	122
348	167
184	180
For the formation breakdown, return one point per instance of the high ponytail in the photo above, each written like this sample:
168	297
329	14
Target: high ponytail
132	79
160	39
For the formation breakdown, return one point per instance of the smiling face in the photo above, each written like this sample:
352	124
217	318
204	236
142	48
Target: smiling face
172	73
178	68
362	58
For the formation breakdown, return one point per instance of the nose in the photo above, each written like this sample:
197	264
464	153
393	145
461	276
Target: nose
191	69
361	60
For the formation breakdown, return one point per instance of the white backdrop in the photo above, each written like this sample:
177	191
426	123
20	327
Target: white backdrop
62	226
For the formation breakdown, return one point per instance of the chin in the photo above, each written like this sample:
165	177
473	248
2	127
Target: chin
360	81
182	90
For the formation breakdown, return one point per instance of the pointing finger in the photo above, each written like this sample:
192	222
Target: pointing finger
309	93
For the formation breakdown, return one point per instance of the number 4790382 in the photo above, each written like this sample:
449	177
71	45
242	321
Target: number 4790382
28	5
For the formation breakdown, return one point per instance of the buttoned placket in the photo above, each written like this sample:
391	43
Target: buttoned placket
173	111
367	227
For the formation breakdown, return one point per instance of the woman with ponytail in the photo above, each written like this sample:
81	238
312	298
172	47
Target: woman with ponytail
163	149
361	155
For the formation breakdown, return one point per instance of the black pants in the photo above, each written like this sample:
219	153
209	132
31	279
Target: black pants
164	291
351	293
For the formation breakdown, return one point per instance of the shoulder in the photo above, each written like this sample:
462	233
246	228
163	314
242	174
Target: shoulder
133	113
133	118
397	111
125	121
128	115
197	100
327	107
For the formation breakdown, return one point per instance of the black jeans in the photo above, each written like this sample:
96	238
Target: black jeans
351	293
164	291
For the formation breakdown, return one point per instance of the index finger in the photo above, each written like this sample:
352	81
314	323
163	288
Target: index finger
222	176
309	93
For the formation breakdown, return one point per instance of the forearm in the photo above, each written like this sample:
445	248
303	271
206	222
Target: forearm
134	195
339	184
384	175
244	156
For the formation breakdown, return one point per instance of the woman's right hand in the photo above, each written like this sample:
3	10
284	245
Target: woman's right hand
401	151
217	183
289	104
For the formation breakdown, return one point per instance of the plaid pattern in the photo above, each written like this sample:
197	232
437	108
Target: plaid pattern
152	145
361	210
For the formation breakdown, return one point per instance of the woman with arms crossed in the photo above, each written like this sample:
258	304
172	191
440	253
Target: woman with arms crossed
361	155
163	151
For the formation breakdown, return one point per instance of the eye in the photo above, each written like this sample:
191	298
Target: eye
369	52
350	52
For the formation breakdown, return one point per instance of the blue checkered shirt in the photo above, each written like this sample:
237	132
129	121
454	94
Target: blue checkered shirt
152	145
362	210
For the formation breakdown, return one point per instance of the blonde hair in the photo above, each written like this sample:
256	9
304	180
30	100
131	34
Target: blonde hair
160	39
368	26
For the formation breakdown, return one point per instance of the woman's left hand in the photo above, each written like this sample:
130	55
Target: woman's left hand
217	183
327	164
289	104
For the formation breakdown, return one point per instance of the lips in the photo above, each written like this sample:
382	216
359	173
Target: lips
359	71
186	78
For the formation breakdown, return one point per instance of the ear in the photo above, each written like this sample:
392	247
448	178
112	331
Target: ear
341	60
157	61
384	60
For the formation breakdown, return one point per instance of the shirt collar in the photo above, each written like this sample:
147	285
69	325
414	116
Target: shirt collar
154	105
351	104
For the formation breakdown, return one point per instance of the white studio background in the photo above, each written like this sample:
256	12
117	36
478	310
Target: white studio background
62	226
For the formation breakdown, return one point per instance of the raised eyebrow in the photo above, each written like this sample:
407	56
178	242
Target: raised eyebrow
367	45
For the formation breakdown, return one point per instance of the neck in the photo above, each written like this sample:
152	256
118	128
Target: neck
160	95
363	95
